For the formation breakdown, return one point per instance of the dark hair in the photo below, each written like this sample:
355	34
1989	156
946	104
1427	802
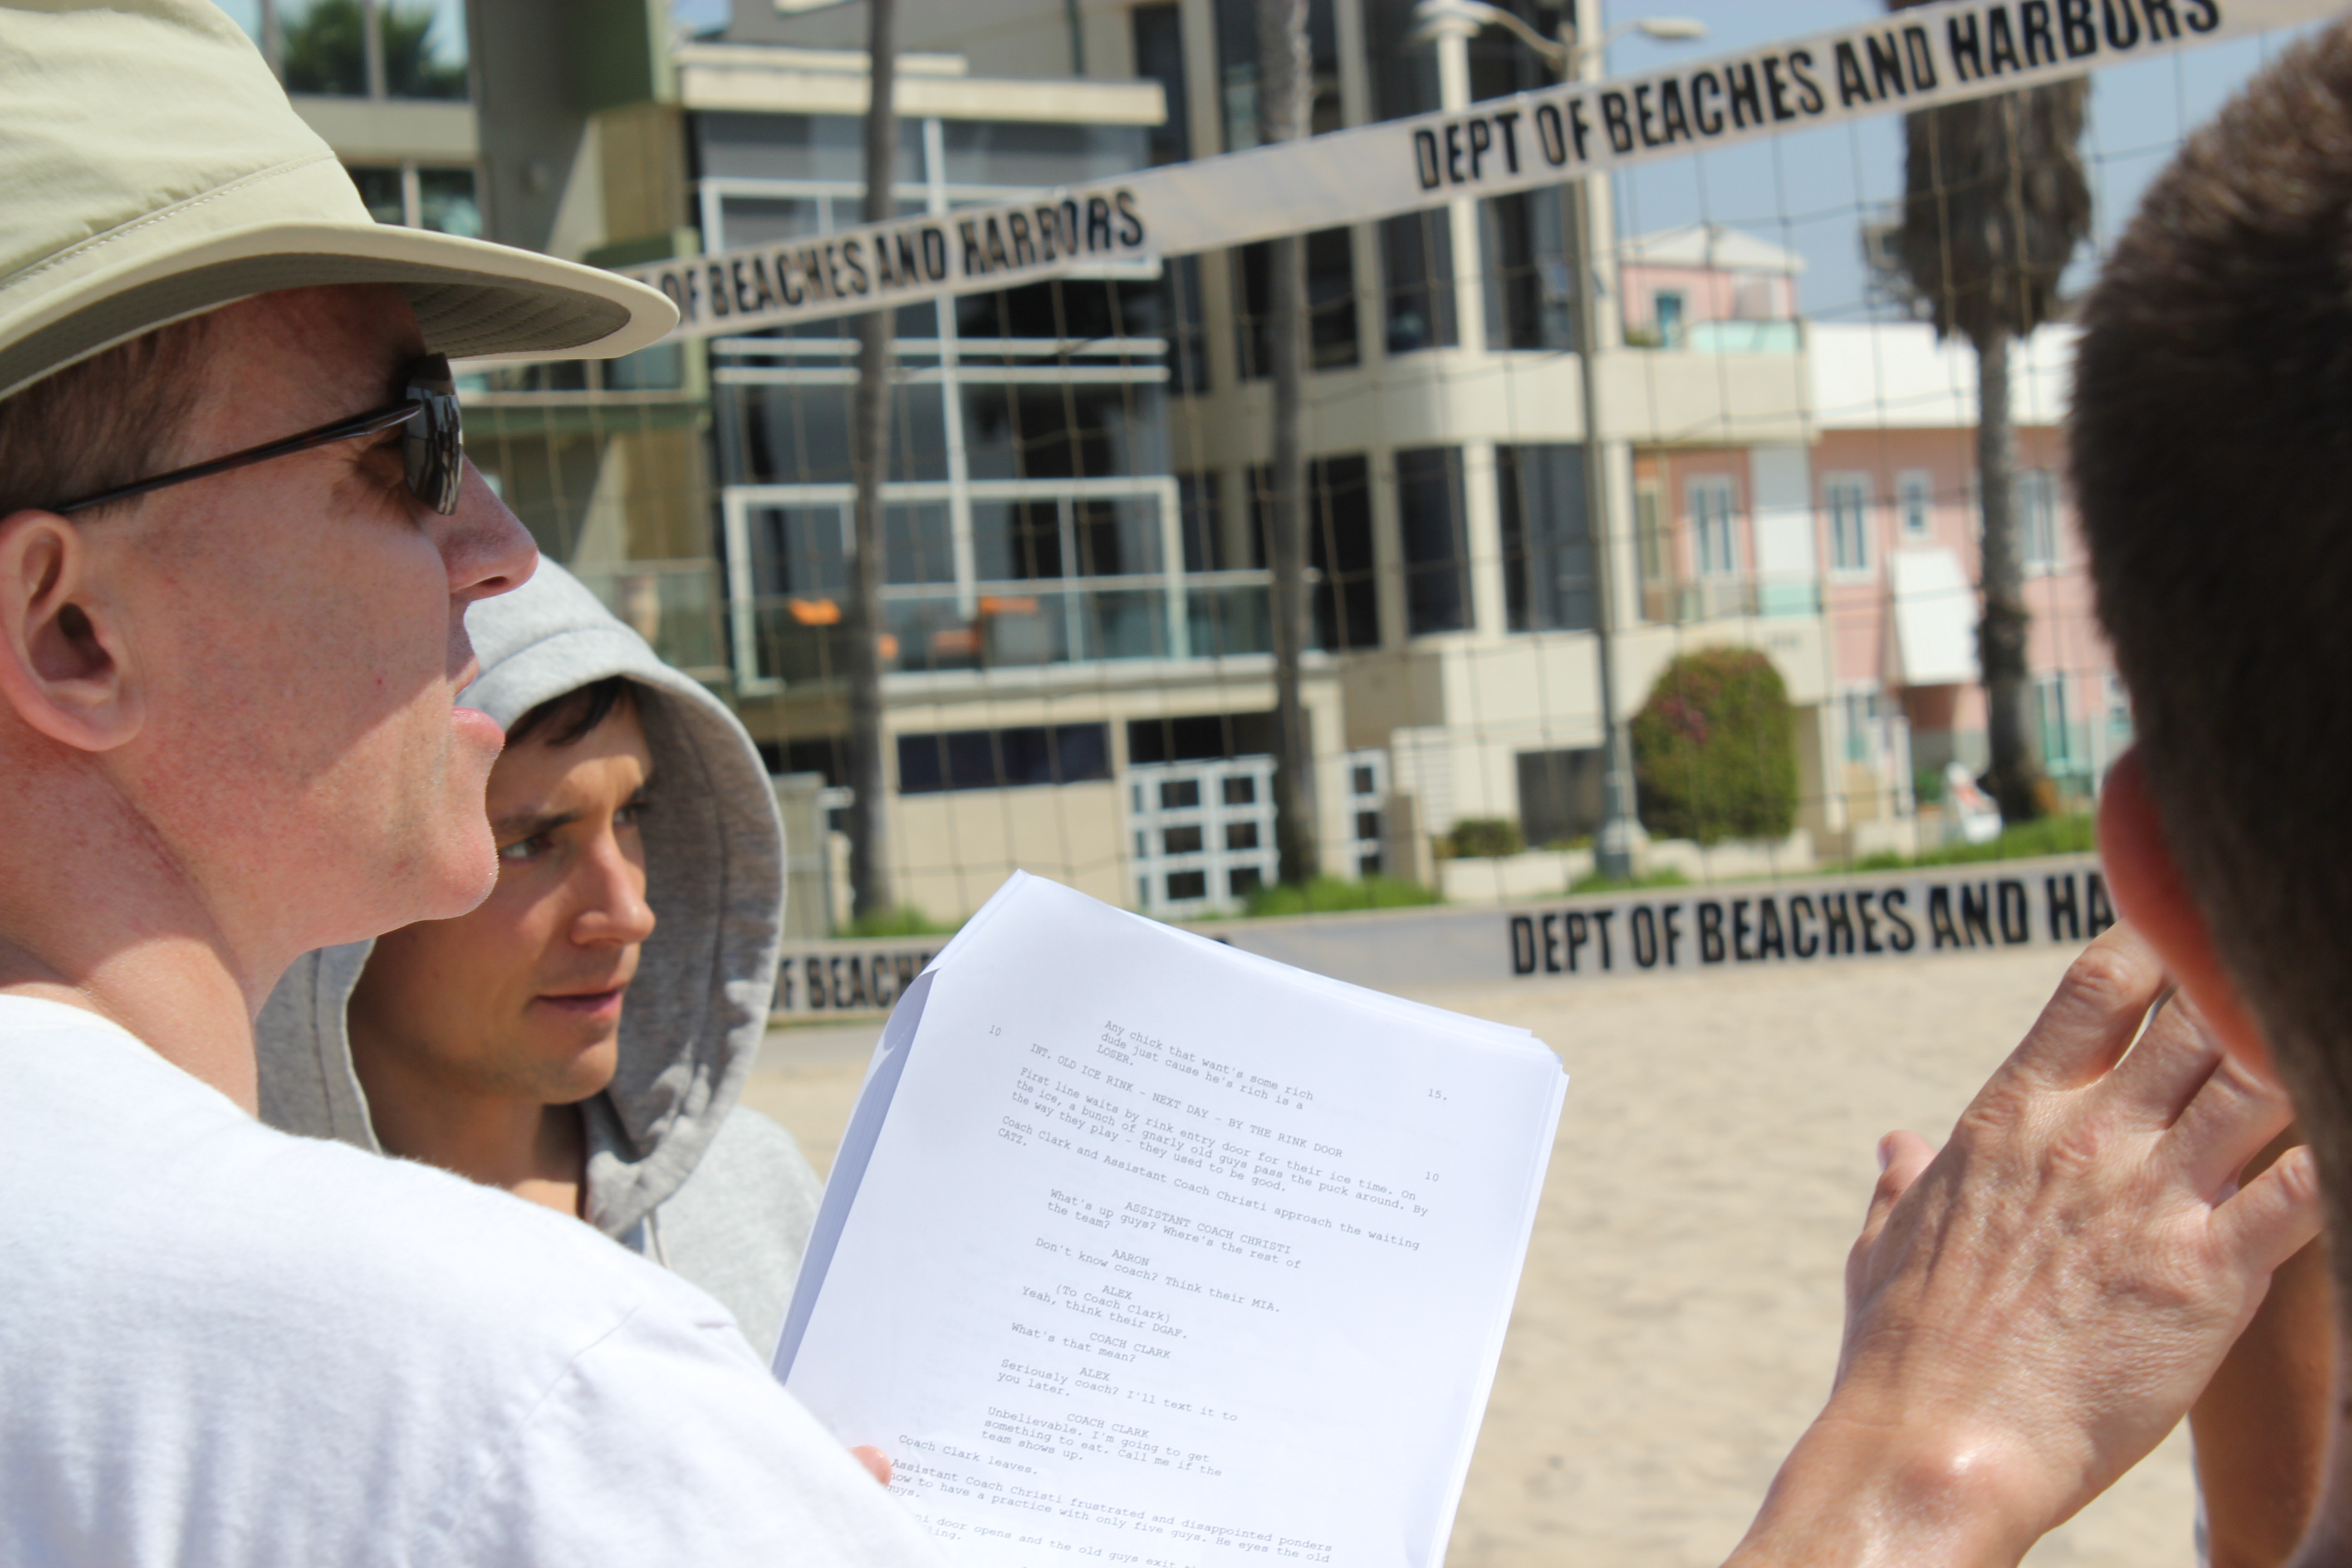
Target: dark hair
2212	464
109	420
575	713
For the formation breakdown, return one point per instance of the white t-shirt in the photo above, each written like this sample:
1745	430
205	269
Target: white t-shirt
222	1345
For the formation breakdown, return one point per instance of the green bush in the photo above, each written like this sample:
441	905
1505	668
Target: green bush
1594	883
904	921
2047	836
1485	837
1715	749
1327	895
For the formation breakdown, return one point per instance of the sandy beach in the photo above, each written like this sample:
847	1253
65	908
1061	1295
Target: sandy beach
1678	1320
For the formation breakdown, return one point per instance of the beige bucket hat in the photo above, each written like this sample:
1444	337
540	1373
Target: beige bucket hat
150	168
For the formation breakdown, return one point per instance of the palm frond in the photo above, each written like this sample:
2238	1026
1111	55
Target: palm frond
1995	202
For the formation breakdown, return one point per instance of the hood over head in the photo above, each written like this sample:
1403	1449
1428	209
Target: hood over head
714	876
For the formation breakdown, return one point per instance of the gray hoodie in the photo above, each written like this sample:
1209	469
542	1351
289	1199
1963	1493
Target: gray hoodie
677	1169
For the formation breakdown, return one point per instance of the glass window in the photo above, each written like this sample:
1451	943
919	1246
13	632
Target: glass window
1344	599
1240	790
380	188
1417	281
1500	64
1666	305
1115	536
1200	523
1159	57
1031	155
1199	738
1846	498
801	551
792	434
1404	74
1237	71
1016	541
767	220
322	47
1915	492
1714	543
1186	325
1859	710
1651	533
424	49
1548	579
917	548
1331	302
1003	759
446	202
1095	431
1436	548
800	147
2050	715
2037	519
1530	285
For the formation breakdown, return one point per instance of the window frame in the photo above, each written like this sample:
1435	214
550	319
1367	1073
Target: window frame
1838	488
1696	518
1904	482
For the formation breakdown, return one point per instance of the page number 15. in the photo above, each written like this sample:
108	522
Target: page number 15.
1437	1094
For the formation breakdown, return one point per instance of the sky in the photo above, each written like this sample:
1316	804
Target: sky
1810	191
1807	190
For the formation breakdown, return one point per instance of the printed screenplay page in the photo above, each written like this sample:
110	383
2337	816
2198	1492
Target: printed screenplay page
1165	1254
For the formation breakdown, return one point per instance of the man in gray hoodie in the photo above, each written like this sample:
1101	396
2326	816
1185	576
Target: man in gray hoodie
581	1037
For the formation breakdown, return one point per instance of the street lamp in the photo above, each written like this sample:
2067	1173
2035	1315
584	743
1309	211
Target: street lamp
1612	847
1434	19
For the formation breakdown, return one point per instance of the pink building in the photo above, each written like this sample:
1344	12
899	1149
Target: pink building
1898	535
1709	287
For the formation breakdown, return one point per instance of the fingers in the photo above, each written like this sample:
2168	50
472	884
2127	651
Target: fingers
876	1462
2091	1019
2166	1069
2235	1113
2275	1215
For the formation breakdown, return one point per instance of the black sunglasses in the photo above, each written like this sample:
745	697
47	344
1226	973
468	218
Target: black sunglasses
432	445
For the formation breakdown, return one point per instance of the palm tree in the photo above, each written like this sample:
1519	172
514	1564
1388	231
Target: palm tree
1994	203
1285	88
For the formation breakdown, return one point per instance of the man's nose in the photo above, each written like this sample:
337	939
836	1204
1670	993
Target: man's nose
485	546
613	909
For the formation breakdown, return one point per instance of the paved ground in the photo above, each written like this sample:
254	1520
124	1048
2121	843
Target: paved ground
1679	1316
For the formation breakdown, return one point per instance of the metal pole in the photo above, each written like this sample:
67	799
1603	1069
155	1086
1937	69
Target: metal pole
869	819
1612	847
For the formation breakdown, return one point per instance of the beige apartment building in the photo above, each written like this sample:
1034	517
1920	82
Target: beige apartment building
1077	600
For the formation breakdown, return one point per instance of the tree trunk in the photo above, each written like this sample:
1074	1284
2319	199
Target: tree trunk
869	838
1285	84
2015	779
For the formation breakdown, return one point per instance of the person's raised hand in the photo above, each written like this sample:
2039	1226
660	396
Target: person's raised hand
2031	1311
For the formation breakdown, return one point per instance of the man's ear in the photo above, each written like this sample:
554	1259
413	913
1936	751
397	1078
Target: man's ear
2151	894
65	651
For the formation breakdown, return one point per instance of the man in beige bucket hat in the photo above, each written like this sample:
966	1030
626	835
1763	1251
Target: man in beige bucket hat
238	538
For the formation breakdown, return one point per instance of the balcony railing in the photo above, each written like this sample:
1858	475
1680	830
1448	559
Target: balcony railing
1014	626
1681	601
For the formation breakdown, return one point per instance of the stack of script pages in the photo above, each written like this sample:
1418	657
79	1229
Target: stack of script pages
1141	1248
